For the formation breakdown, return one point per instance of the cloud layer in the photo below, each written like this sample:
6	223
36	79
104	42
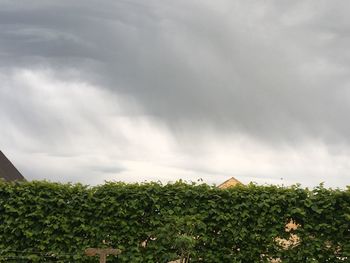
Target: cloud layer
185	89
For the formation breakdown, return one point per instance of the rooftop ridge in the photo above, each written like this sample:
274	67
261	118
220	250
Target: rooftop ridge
8	171
229	183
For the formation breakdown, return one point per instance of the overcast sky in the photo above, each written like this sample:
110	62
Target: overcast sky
148	90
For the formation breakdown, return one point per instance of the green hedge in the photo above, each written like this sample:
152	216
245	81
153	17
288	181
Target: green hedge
51	222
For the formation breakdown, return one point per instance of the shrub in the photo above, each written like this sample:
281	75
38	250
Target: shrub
46	222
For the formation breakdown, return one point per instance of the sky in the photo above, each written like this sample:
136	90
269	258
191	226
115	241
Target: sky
159	90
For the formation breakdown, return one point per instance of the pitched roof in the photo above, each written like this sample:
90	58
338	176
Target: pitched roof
229	183
7	170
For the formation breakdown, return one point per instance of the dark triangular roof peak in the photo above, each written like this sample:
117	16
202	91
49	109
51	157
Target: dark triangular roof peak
8	171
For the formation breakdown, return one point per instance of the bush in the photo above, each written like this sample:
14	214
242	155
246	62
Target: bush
52	222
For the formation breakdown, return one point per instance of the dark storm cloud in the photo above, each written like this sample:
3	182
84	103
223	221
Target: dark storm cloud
276	70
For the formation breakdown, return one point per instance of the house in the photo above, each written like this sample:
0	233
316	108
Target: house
229	183
8	171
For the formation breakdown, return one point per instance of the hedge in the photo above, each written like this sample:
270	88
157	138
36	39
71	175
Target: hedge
52	222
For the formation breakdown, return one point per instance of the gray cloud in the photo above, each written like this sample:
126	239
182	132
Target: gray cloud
278	72
274	71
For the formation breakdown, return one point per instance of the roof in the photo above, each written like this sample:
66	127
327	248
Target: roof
229	183
8	171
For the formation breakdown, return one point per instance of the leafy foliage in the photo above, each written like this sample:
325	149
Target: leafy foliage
51	222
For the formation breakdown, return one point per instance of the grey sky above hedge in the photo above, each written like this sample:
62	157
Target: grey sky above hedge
148	90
